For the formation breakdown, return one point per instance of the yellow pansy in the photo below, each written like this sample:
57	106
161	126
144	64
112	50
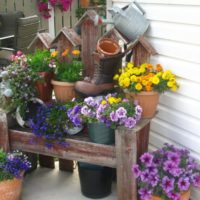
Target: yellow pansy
126	82
76	52
104	102
174	88
116	77
142	69
133	78
129	65
54	54
167	75
138	86
170	84
136	71
155	80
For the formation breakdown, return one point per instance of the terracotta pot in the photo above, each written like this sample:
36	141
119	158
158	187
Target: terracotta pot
108	47
10	189
64	91
45	88
84	3
184	196
147	100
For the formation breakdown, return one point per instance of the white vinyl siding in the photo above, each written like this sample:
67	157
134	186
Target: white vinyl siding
175	34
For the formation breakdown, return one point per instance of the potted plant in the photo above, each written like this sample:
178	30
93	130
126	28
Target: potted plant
17	86
104	114
145	83
43	62
52	123
12	168
167	173
66	74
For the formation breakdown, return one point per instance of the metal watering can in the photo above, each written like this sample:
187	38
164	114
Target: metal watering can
129	21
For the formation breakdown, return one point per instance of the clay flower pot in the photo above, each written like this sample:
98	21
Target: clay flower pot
45	88
64	91
147	100
184	196
108	47
10	189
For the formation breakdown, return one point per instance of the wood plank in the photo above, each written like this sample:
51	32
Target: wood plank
76	149
126	151
4	138
74	6
2	5
19	5
29	7
10	5
67	19
58	19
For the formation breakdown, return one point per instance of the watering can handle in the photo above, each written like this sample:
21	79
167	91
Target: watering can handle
139	7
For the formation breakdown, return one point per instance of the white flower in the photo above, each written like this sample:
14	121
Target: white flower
4	74
8	93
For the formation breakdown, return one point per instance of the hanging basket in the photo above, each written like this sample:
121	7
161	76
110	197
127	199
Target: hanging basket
10	189
147	100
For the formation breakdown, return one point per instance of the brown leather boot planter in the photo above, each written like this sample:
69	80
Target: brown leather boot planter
102	80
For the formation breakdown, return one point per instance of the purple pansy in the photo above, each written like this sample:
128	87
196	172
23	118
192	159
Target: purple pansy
130	122
121	112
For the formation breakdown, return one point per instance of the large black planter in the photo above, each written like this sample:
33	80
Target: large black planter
95	181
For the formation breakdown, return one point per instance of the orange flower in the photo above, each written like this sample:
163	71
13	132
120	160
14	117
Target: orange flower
65	52
149	66
148	88
159	68
54	54
76	52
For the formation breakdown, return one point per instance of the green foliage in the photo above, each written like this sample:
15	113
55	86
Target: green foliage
80	11
39	61
69	72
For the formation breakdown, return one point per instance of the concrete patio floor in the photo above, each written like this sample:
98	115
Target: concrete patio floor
53	184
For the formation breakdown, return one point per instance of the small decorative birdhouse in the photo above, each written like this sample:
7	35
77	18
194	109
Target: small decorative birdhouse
67	38
90	32
142	51
41	41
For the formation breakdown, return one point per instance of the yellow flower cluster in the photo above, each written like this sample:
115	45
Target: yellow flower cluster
146	77
111	100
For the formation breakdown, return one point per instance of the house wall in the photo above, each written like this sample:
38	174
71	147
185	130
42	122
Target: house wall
175	33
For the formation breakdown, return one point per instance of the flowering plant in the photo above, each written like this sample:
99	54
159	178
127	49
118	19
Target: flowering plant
146	77
42	60
17	86
12	165
71	70
45	10
111	110
52	122
166	173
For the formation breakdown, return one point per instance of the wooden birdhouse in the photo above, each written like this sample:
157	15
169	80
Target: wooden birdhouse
90	32
67	38
142	51
41	41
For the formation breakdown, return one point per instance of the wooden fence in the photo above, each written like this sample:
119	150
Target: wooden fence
29	7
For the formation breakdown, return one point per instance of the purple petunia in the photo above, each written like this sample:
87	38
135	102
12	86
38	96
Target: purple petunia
174	157
130	122
145	194
113	116
136	171
121	112
183	183
196	179
167	184
169	166
174	195
147	159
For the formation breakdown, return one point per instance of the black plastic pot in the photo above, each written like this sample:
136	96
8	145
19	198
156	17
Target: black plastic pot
95	181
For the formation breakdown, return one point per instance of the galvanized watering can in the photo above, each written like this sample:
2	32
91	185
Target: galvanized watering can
129	20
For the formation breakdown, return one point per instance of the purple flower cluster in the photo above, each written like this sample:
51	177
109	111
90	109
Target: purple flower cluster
51	122
45	10
166	172
12	165
110	110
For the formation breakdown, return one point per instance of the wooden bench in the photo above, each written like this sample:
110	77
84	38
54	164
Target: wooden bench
129	145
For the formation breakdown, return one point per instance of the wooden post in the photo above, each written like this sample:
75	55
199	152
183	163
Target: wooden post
126	156
4	138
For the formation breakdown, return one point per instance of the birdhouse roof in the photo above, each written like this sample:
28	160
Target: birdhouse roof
45	38
91	14
115	34
150	49
70	34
